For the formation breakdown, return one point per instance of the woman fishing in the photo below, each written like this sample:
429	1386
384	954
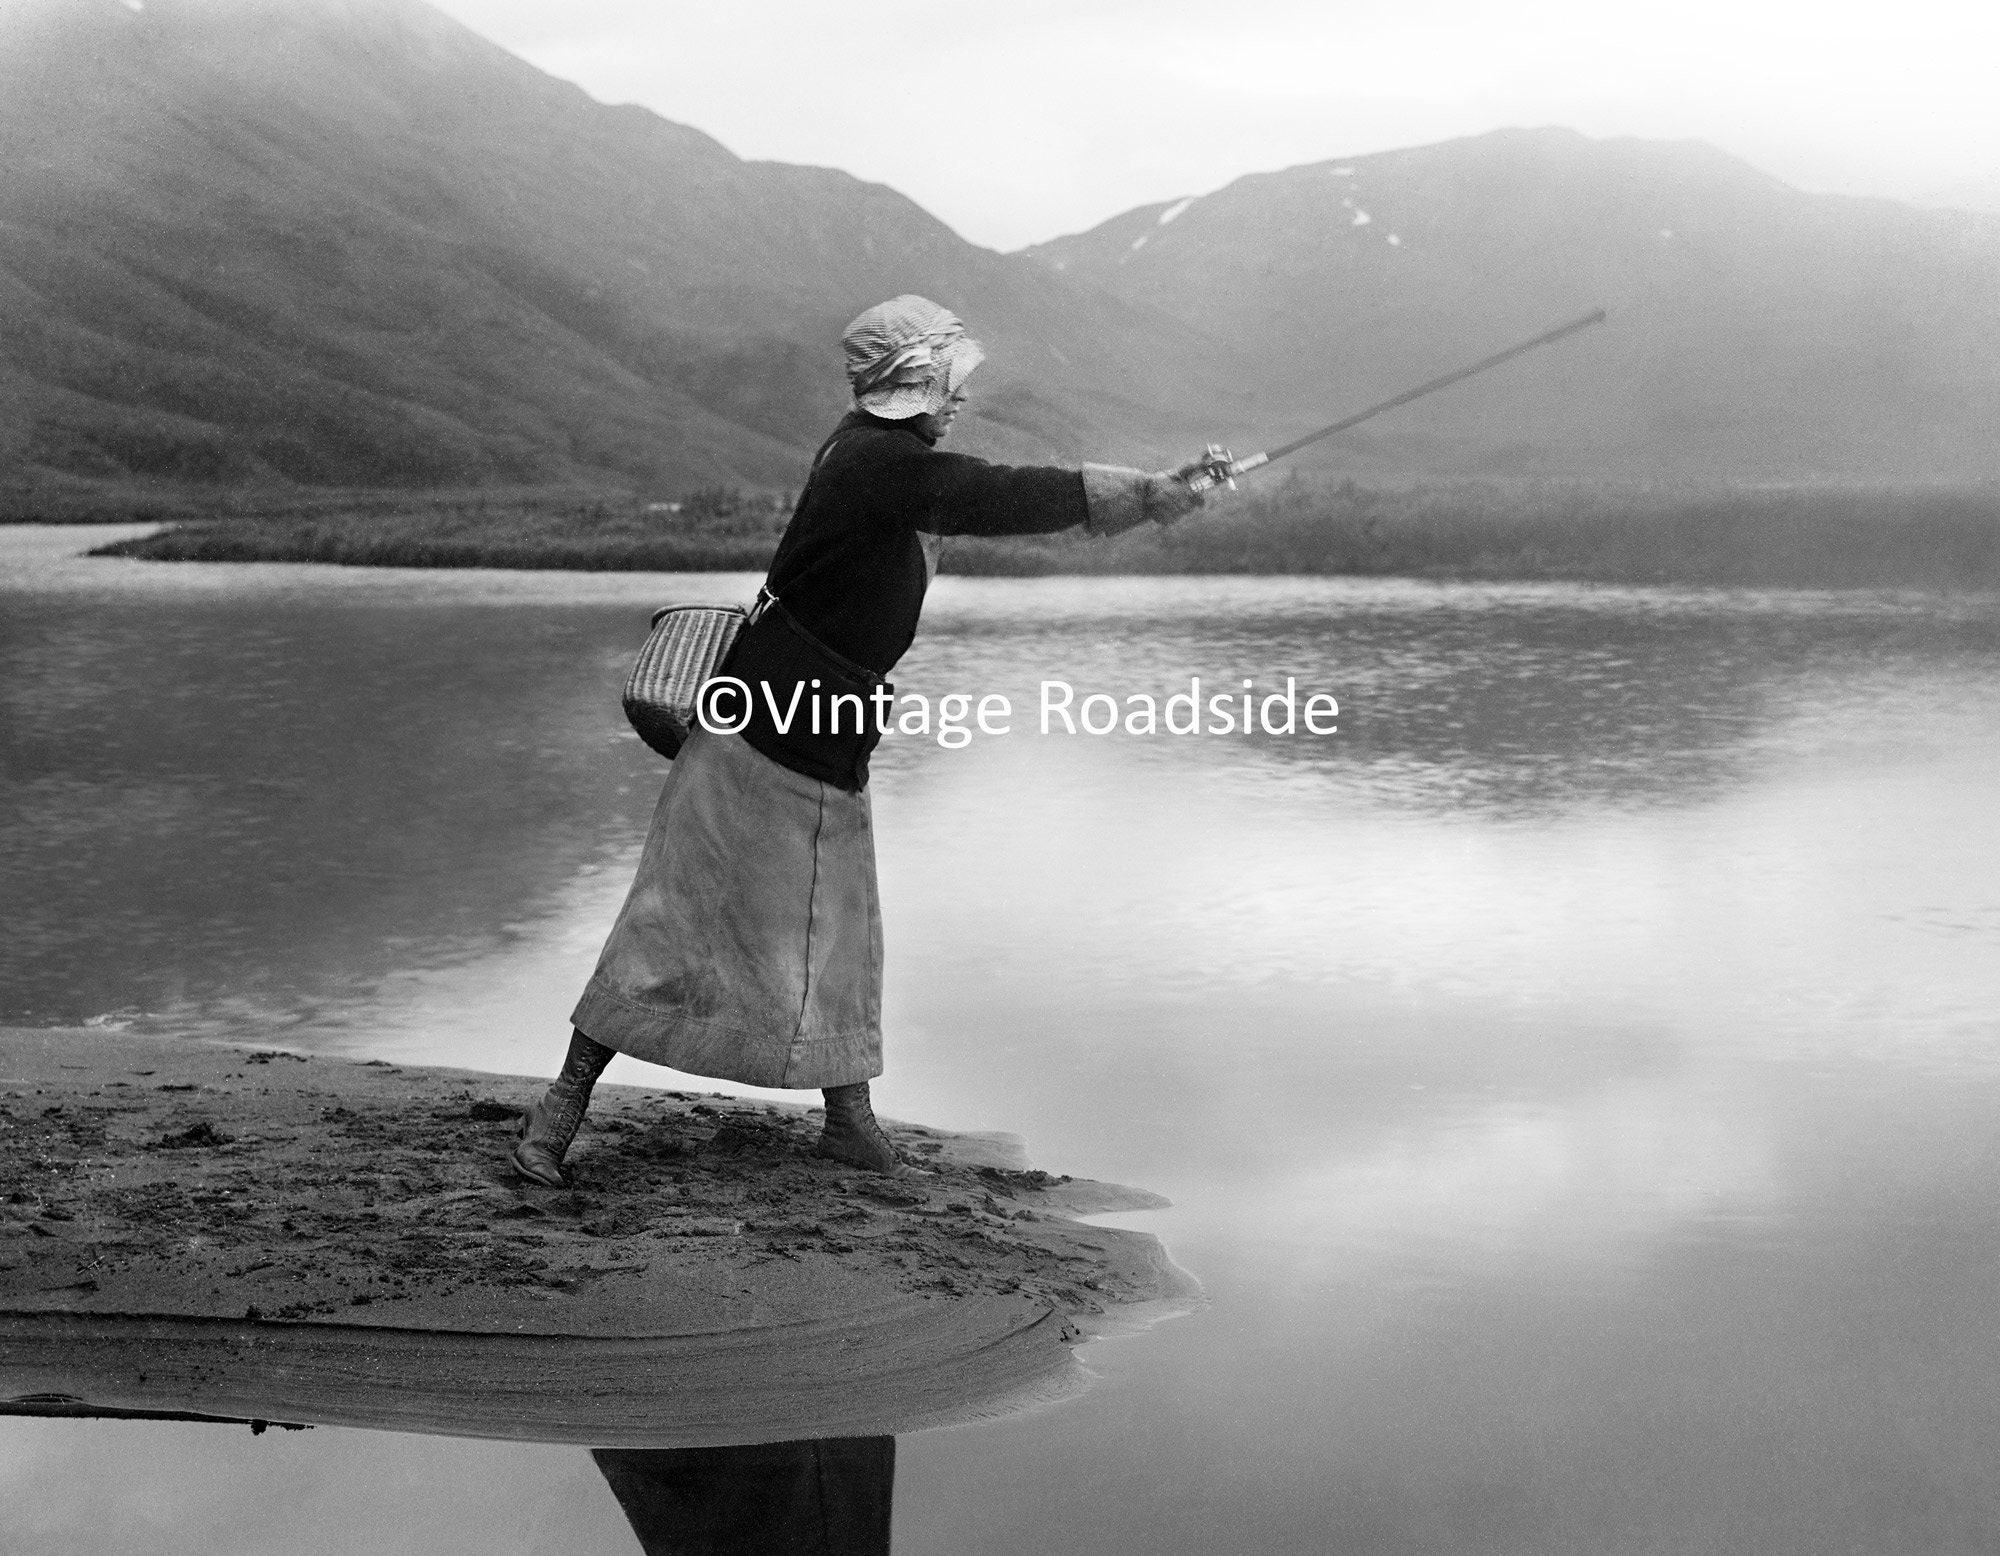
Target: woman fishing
750	946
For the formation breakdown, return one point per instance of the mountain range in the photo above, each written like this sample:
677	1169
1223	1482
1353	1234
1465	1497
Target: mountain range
1755	331
302	244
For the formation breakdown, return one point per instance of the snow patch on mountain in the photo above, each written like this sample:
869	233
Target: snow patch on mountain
1175	209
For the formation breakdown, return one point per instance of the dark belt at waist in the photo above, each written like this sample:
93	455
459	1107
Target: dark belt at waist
811	709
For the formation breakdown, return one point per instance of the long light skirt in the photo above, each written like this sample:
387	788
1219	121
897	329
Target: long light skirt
750	945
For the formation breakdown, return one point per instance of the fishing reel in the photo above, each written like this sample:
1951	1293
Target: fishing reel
1216	467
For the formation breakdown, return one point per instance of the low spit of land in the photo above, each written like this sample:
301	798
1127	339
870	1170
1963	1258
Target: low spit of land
194	1228
1803	536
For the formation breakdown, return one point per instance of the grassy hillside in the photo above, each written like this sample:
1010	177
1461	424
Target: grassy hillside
348	243
338	244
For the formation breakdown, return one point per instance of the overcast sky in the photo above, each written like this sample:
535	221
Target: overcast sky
1015	120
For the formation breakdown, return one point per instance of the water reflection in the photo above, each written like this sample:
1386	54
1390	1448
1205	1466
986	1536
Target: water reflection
189	798
409	805
823	1497
1503	700
1577	1083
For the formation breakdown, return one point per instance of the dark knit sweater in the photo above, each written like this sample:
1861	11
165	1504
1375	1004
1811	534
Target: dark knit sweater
850	567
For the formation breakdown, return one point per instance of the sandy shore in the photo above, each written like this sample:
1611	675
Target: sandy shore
196	1228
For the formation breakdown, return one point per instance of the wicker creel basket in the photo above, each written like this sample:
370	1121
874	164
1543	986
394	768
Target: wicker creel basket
687	647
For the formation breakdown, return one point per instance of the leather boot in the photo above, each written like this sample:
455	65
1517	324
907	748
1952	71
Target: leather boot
551	1123
851	1134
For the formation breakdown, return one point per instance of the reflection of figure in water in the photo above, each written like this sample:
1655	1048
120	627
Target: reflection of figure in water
823	1498
750	946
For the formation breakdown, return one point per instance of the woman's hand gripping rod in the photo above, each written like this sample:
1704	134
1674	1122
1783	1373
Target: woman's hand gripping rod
1217	467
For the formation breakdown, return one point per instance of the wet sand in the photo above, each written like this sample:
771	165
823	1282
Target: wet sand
199	1228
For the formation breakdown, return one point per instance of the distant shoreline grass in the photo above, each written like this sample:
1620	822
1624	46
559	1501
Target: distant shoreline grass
1802	537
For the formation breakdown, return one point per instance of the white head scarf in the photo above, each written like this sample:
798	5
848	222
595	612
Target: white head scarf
907	356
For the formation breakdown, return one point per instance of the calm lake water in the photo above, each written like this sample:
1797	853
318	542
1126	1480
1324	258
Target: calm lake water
1578	1079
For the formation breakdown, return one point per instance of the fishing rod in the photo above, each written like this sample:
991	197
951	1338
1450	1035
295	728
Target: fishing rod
1217	466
